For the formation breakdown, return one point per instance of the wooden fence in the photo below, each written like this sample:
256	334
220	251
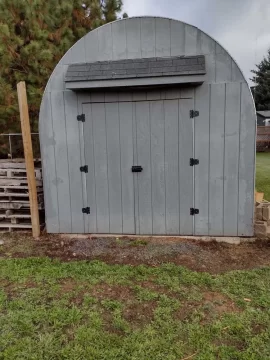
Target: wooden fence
263	138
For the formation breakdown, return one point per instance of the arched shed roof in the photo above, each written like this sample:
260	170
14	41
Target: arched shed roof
146	36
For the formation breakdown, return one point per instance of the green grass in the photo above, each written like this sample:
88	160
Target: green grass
263	174
91	310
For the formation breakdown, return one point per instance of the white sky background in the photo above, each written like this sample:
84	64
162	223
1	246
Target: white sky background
241	26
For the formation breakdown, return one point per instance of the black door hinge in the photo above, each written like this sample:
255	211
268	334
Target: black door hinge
194	113
86	210
81	117
194	211
84	168
193	162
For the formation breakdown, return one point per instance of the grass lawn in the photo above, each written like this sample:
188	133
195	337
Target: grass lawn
91	310
263	174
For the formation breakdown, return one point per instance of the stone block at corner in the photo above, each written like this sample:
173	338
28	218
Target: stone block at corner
260	229
266	212
259	212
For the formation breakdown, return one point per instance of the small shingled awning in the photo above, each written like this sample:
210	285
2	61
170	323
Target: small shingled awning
137	72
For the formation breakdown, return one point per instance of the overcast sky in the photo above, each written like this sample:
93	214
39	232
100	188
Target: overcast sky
241	26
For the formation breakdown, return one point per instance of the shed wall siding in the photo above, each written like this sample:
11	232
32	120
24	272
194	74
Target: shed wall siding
229	125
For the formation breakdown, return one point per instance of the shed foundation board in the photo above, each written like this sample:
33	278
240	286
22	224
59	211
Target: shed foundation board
227	240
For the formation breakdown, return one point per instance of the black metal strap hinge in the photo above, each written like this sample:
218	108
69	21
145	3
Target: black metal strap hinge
194	113
81	117
86	210
194	211
84	168
194	162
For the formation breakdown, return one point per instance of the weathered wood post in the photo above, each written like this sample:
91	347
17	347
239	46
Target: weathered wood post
29	159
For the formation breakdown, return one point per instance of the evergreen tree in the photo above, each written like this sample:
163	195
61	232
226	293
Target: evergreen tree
261	91
34	35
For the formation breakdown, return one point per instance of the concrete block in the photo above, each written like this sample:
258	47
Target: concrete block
259	213
229	240
260	229
266	212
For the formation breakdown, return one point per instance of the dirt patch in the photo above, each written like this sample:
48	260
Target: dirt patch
13	290
115	292
140	313
213	304
211	257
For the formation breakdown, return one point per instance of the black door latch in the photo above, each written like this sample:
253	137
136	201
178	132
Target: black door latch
136	168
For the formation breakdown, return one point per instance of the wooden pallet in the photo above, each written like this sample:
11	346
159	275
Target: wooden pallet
17	189
18	173
18	204
14	194
17	163
17	182
16	220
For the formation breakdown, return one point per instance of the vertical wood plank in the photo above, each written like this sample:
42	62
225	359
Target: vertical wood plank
231	158
246	164
163	37
201	147
177	38
157	164
73	141
208	48
29	158
119	39
105	43
135	175
148	37
223	65
61	160
77	52
114	167
91	46
98	97
91	175
56	82
216	159
101	167
125	96
173	93
236	73
83	97
144	159
139	95
185	170
171	113
47	147
133	31
153	95
127	160
191	40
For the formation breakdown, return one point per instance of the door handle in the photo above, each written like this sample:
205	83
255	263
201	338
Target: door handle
136	168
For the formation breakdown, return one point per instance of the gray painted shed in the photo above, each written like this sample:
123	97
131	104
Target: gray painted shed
137	101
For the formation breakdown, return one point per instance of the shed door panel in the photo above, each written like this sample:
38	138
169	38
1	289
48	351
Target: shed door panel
109	153
164	140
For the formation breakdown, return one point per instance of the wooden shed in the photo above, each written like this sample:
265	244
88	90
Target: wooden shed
147	126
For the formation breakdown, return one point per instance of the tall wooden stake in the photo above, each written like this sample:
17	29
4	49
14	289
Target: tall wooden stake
29	159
